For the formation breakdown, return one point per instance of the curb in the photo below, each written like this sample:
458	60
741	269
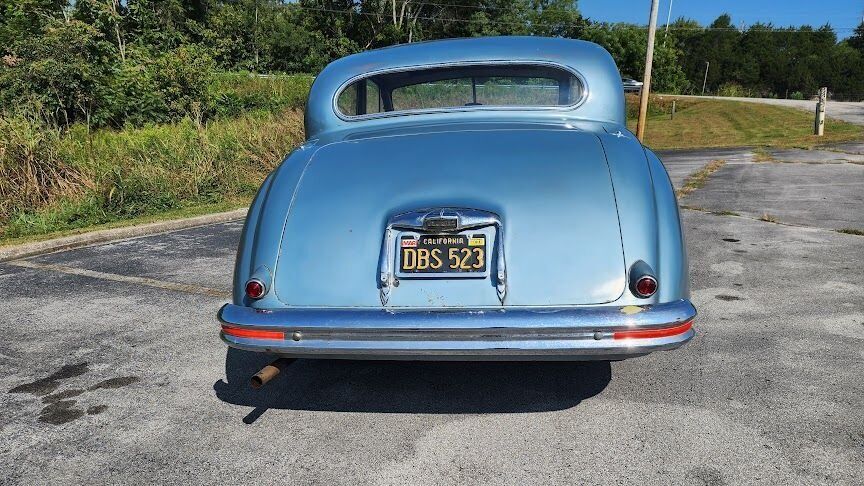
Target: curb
114	234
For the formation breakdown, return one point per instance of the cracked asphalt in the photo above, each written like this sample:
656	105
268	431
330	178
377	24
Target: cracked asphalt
111	370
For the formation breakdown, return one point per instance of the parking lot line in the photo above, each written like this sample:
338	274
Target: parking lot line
160	284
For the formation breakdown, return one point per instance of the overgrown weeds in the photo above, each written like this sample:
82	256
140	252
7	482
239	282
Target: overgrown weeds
699	178
33	172
768	218
52	181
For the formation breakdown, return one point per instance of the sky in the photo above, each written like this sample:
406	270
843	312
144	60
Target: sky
843	15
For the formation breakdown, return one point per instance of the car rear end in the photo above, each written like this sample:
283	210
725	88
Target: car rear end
473	242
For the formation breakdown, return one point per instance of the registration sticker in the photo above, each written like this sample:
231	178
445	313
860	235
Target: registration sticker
409	243
477	241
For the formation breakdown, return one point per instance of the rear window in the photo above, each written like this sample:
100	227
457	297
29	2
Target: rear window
461	86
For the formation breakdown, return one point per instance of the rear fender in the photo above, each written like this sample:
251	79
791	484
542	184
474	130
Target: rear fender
634	197
265	222
673	268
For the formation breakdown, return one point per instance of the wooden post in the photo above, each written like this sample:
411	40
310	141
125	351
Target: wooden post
646	80
819	129
673	110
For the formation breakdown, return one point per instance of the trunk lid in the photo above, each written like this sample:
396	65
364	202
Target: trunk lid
551	189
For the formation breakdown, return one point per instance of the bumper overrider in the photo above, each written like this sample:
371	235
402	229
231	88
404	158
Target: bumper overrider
584	333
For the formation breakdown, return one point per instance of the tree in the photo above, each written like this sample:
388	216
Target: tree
63	72
108	16
627	45
856	40
23	19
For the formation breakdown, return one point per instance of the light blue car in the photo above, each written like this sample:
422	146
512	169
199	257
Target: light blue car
464	199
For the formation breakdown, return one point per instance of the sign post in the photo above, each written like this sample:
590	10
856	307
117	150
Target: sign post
646	80
819	128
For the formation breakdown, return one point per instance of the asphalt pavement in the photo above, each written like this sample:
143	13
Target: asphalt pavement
111	369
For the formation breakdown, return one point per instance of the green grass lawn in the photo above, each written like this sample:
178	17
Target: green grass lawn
719	123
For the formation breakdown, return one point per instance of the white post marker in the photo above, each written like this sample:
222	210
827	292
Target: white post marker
646	80
819	129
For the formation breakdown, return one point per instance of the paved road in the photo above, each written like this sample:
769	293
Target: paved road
111	370
852	112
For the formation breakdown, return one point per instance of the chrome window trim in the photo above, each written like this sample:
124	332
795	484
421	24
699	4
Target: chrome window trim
457	109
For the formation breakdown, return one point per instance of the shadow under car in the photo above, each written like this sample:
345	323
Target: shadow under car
412	386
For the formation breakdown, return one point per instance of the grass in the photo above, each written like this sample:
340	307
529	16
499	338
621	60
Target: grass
721	123
851	231
699	178
760	154
52	183
189	211
55	183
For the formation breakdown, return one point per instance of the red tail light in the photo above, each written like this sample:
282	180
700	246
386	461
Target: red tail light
653	333
252	333
255	289
645	286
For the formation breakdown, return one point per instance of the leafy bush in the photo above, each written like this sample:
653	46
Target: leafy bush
797	95
234	93
62	72
734	90
160	88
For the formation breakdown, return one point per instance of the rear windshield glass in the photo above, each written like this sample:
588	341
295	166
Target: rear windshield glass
460	86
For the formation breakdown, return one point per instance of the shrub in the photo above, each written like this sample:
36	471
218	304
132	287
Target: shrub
235	93
63	71
734	90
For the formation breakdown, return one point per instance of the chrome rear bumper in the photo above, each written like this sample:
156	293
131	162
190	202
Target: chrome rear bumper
584	333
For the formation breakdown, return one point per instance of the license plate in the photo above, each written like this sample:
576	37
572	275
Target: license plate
462	253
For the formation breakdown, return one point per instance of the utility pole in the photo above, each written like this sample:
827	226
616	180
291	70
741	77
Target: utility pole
668	18
646	79
705	81
255	37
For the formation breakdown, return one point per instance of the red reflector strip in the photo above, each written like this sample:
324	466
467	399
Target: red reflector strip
252	333
654	333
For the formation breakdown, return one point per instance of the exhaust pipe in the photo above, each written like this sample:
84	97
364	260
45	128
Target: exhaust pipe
269	372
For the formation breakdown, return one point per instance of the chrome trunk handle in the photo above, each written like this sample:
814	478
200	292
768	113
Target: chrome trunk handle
440	220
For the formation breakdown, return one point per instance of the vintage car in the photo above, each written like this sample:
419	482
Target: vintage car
630	85
464	199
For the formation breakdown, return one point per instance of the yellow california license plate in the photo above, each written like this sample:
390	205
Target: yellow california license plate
442	253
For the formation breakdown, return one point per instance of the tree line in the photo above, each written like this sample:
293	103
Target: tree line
118	62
